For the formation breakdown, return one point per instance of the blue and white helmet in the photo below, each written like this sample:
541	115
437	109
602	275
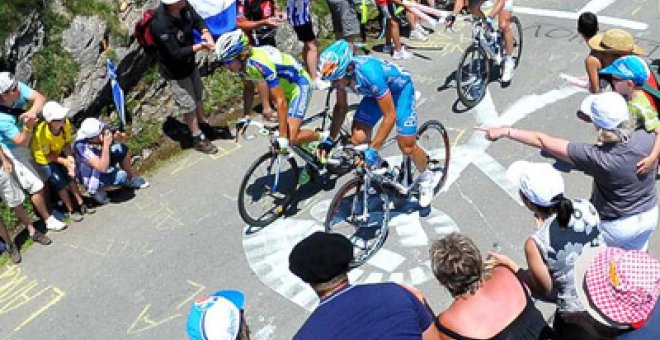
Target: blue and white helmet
334	60
230	44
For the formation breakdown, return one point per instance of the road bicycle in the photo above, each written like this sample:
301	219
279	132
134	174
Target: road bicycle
486	51
269	184
360	210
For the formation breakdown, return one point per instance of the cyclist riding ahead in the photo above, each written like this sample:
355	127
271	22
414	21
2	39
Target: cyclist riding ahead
505	10
388	93
289	83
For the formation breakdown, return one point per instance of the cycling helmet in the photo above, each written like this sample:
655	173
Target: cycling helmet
230	44
334	60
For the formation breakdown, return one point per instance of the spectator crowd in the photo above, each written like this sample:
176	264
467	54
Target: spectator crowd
588	257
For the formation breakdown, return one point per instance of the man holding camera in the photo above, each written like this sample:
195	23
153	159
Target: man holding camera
102	165
172	27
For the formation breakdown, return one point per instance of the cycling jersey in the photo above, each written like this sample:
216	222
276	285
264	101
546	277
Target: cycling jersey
375	78
267	63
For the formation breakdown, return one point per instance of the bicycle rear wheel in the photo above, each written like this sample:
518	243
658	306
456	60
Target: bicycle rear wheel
364	225
267	188
516	28
472	76
433	138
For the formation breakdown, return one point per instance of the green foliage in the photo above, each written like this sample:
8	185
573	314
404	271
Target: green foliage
104	9
13	12
54	71
149	134
223	88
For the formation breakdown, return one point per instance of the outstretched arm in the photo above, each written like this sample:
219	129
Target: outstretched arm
557	147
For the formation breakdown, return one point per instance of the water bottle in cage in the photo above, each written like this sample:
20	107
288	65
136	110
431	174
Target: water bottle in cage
495	45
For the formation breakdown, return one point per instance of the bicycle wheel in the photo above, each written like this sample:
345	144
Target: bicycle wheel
472	76
516	28
267	188
365	228
433	138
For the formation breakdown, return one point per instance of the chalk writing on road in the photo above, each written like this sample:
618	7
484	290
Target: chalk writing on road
25	297
146	321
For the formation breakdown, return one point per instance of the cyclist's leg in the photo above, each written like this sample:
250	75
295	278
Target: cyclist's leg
504	24
299	96
406	126
367	115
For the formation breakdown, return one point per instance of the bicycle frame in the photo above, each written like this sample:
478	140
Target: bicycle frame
484	40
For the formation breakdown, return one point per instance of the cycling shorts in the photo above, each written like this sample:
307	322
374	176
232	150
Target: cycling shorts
508	5
298	95
368	111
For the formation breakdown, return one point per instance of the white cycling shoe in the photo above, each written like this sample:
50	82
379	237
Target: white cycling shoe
425	188
507	73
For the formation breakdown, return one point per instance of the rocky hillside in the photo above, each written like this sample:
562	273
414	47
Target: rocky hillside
60	47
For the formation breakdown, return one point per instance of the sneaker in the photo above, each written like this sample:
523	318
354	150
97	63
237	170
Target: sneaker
388	49
425	188
402	54
507	74
53	223
418	36
320	84
76	216
101	198
87	209
14	253
137	182
203	145
40	238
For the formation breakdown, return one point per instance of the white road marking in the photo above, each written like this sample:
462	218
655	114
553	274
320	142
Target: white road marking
603	19
595	6
386	260
497	173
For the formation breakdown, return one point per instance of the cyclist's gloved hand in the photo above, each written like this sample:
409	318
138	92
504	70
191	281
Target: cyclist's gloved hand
371	157
324	148
449	20
282	144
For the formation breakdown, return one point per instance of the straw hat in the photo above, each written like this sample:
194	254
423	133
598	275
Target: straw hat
615	41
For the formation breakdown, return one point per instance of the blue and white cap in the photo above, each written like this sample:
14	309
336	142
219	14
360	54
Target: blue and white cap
629	68
216	317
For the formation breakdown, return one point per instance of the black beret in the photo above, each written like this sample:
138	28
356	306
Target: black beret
321	256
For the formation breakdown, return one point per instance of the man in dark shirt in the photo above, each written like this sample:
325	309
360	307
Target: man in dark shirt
172	28
347	312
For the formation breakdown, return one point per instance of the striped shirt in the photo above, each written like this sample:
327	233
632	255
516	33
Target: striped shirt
298	12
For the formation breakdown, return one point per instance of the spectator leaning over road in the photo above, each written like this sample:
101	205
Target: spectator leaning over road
490	302
620	290
259	20
102	165
361	312
218	317
300	17
13	196
625	200
51	149
172	27
15	135
611	45
628	75
564	228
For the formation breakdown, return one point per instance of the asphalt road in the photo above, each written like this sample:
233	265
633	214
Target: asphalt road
131	270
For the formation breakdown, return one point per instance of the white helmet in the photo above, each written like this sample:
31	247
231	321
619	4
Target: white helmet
229	45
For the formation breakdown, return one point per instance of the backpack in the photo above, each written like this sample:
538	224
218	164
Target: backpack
142	32
652	91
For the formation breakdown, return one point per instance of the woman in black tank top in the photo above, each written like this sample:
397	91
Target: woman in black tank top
458	266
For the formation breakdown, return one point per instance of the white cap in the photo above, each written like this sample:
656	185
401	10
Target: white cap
90	128
6	81
169	2
607	110
54	111
539	182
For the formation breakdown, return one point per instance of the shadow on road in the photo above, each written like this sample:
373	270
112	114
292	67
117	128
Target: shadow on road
178	131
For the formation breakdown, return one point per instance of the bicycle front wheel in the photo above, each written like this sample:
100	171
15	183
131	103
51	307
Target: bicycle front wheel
267	189
516	28
361	214
434	140
472	76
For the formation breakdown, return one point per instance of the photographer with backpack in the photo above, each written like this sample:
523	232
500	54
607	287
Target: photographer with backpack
171	29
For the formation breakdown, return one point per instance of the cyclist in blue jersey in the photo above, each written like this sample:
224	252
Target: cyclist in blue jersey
388	94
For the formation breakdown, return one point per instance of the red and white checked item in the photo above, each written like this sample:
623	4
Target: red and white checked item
623	285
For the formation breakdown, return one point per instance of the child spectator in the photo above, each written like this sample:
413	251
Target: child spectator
608	47
628	76
102	165
51	148
218	317
587	26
